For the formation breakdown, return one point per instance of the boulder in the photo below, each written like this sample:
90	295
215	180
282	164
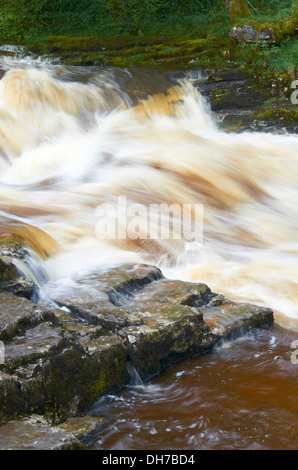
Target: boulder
263	35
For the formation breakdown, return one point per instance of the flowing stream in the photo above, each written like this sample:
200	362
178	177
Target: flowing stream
74	138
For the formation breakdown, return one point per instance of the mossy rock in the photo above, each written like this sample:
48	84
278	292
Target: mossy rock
60	371
287	116
130	51
265	120
254	32
290	26
8	271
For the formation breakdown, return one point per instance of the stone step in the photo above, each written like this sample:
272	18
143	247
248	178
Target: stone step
58	361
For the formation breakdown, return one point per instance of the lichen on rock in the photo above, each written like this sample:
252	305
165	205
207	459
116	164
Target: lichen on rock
59	362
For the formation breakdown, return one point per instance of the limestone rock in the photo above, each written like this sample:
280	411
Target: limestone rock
249	33
58	361
34	434
80	426
8	271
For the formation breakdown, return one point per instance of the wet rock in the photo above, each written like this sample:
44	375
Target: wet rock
240	102
279	119
70	380
20	286
78	327
58	361
230	320
13	249
81	426
158	320
8	271
12	399
166	338
227	90
14	260
34	434
105	308
19	314
35	344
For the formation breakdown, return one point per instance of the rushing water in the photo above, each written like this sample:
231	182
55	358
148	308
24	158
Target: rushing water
73	138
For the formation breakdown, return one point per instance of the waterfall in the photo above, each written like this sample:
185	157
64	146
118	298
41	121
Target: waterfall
134	376
73	140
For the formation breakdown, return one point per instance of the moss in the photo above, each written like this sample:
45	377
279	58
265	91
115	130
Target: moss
238	9
277	117
129	51
8	271
288	116
218	95
281	28
11	243
289	28
96	389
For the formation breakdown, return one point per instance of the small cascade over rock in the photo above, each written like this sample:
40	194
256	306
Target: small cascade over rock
21	270
134	376
13	48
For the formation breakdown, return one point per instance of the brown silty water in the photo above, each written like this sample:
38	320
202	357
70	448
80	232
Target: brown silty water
72	139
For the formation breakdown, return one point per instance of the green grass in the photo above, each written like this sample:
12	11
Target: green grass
267	59
24	19
130	32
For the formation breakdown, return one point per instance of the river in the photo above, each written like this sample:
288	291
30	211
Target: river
75	138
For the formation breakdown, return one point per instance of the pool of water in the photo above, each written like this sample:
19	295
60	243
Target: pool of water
242	395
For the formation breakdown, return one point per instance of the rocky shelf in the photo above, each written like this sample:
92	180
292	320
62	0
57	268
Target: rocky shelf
59	360
241	102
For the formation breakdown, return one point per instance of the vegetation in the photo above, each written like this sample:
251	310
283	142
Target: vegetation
128	32
23	19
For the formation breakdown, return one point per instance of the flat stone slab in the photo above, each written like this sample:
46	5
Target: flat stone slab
34	434
81	426
19	314
59	360
162	321
37	343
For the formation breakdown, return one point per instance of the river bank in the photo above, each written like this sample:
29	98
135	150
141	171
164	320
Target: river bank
242	95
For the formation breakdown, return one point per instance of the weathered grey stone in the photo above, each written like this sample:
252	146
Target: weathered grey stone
34	434
66	383
20	286
77	327
249	33
12	400
246	33
111	286
228	90
230	320
159	321
19	314
8	270
36	343
166	336
16	275
81	426
58	362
